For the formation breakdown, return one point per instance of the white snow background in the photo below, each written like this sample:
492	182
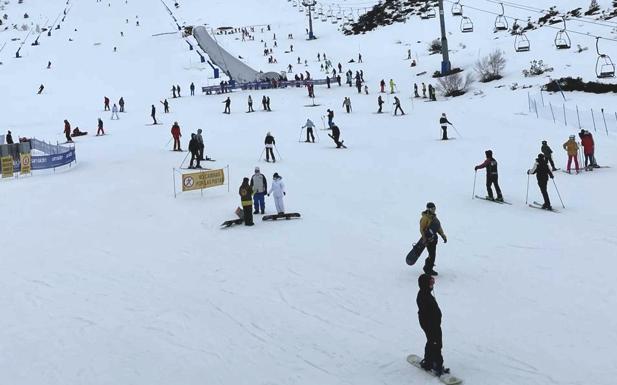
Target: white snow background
105	278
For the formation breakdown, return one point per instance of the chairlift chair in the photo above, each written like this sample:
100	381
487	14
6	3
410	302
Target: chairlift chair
521	42
430	13
605	68
466	24
501	23
562	39
339	16
457	8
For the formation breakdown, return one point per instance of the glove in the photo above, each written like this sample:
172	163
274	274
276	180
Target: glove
528	173
445	240
284	193
552	177
268	194
476	168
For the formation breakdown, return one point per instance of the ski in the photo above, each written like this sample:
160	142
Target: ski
493	200
445	378
537	205
154	124
280	216
338	143
575	172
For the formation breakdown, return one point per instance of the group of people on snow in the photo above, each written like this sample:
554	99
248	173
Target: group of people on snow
253	191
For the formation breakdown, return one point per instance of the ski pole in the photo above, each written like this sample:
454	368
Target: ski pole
527	196
279	154
473	194
262	153
184	160
558	194
167	144
455	130
301	131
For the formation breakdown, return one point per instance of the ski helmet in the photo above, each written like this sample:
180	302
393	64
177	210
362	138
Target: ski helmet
572	137
430	205
544	142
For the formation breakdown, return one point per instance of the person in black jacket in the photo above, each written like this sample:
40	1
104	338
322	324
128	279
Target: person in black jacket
9	138
429	316
246	196
227	106
540	168
491	175
548	154
336	135
194	150
443	121
269	142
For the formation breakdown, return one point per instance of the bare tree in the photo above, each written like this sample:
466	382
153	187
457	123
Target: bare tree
490	67
455	84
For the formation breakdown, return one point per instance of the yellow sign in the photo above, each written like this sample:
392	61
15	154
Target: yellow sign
203	179
7	166
26	162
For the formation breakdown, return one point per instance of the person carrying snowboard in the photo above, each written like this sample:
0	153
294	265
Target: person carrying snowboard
246	199
100	130
429	316
588	149
176	134
571	148
278	192
430	227
259	184
153	114
269	142
380	104
227	106
194	150
491	176
548	154
309	131
397	106
540	168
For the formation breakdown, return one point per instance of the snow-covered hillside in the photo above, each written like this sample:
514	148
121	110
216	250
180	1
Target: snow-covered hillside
106	278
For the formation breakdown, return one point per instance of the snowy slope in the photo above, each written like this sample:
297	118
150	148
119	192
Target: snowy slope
106	278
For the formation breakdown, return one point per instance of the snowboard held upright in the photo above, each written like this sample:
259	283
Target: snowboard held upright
416	251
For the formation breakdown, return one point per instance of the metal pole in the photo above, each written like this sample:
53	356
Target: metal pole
550	105
565	119
604	118
594	121
527	196
528	102
535	105
578	117
310	4
542	97
473	194
445	63
173	175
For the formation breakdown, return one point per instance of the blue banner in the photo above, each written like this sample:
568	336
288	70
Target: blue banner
41	162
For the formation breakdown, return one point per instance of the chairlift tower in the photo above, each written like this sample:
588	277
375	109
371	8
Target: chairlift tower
310	4
445	61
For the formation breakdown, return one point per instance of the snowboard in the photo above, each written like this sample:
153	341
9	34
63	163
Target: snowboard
538	205
415	252
339	143
446	378
280	216
494	201
232	222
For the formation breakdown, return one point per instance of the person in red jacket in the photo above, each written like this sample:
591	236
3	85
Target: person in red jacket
588	149
175	133
67	131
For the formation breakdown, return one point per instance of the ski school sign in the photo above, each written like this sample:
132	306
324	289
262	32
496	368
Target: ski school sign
201	180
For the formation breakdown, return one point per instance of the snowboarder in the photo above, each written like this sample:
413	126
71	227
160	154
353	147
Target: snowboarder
382	86
443	122
309	131
176	135
548	154
106	103
278	192
336	134
330	118
200	143
588	149
227	106
246	196
397	106
540	168
392	85
250	103
430	227
153	114
100	130
259	184
429	316
380	103
41	88
572	148
491	175
192	88
269	142
114	112
194	150
165	104
347	104
9	137
121	104
67	131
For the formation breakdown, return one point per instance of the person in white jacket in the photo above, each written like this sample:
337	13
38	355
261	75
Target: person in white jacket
278	191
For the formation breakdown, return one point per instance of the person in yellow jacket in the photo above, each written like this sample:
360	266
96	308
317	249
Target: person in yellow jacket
571	148
246	198
430	227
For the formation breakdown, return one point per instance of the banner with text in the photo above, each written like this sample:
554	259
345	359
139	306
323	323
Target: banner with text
7	166
203	179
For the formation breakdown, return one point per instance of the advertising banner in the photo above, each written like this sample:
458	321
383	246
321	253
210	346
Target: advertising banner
202	180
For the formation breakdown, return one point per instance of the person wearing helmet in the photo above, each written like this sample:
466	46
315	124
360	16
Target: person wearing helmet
443	122
259	184
491	175
430	227
540	168
269	142
429	316
548	154
572	148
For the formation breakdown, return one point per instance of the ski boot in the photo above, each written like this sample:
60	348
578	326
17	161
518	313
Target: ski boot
426	365
441	371
489	198
499	199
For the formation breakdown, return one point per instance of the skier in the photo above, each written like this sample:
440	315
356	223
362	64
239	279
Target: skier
41	88
392	85
278	191
491	175
330	118
178	90
423	90
227	106
540	168
121	104
173	91
165	104
429	316
176	135
194	150
365	89
106	103
153	114
114	112
336	134
67	131
546	150
382	86
443	122
192	88
250	103
328	81
588	149
263	103
246	196
338	80
415	90
572	148
430	227
397	106
269	142
347	104
100	130
309	131
200	143
48	64
431	93
359	58
380	103
268	103
408	54
9	137
259	184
